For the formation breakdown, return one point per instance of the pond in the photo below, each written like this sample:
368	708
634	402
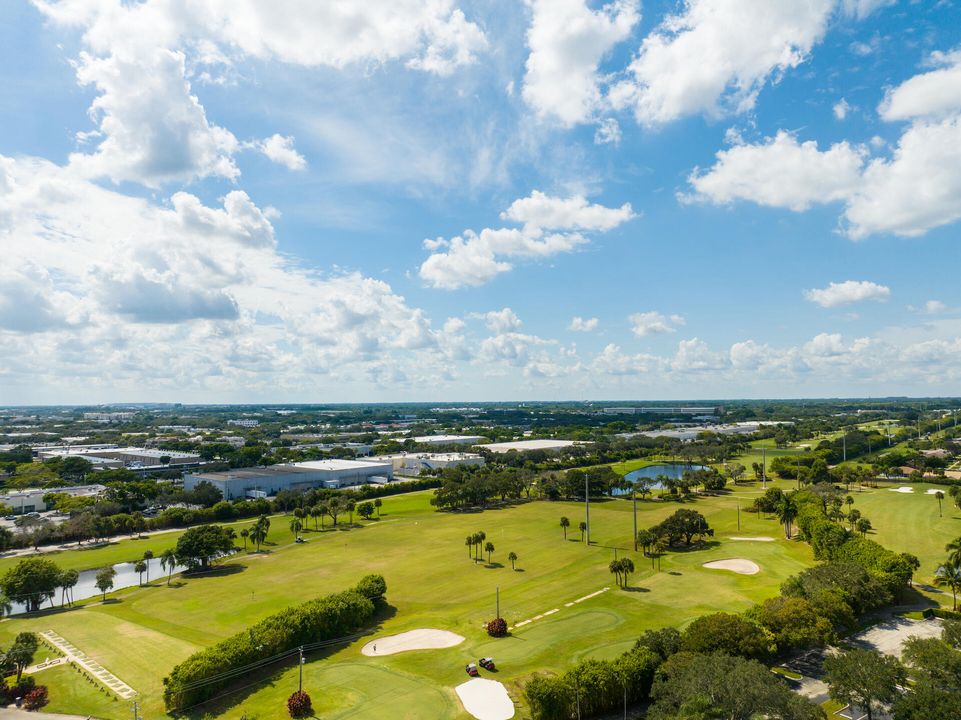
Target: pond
670	470
86	586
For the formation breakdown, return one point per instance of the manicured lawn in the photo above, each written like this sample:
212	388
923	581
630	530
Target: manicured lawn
140	633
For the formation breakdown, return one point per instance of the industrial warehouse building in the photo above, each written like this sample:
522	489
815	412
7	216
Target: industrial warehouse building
416	463
264	481
525	445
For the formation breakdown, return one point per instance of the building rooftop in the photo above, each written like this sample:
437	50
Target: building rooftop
441	439
522	445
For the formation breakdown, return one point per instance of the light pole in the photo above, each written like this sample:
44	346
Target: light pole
634	500
300	687
764	468
498	602
738	515
587	509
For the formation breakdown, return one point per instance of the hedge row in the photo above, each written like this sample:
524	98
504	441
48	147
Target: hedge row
325	618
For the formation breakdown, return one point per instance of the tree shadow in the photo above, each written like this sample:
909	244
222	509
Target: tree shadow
519	570
674	572
493	566
636	589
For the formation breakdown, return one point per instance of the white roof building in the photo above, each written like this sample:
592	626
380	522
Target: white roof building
449	439
525	445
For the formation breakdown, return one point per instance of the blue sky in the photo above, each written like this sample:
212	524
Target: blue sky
506	200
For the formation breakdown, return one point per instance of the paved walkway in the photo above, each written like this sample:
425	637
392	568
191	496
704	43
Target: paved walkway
522	623
72	654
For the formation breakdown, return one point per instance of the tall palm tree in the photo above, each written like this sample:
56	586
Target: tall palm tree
68	580
512	556
627	567
168	561
148	556
786	511
245	533
950	574
489	548
565	523
940	496
480	538
469	542
615	568
351	506
295	527
315	512
140	567
582	527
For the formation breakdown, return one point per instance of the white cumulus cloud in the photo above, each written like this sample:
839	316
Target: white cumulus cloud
579	324
847	292
654	323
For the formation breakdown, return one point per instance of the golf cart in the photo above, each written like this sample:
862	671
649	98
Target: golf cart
472	670
487	663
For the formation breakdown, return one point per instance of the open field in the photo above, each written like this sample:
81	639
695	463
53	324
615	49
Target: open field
139	634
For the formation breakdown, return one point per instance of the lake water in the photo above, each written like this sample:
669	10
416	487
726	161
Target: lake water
86	586
670	470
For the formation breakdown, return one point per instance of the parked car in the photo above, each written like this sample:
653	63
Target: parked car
472	670
487	663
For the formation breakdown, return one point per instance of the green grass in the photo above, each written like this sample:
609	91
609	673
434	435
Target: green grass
71	693
140	633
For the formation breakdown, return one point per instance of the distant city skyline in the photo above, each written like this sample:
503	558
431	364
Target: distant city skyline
456	201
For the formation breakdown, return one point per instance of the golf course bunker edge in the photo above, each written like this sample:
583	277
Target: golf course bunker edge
739	565
421	639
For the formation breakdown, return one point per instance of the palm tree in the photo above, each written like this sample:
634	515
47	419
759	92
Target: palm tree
168	561
295	526
479	538
300	514
512	556
469	542
316	512
489	548
940	496
377	504
863	526
853	517
615	568
786	511
148	556
953	549
565	523
351	505
582	527
257	533
627	567
68	580
140	567
6	606
245	533
955	492
645	538
950	574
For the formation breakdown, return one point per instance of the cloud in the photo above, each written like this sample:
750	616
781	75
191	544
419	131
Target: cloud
573	213
654	323
280	150
567	41
608	132
501	321
579	324
183	296
841	108
862	8
716	55
472	258
934	307
780	172
933	94
847	292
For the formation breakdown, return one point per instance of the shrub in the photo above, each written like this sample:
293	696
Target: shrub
372	587
298	705
325	618
727	633
497	627
36	698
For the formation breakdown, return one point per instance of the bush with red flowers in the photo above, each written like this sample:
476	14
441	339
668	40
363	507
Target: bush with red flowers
497	627
298	705
36	698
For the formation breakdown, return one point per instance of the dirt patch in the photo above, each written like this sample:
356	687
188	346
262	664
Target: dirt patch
738	565
485	699
422	639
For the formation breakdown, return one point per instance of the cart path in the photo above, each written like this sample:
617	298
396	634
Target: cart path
522	623
72	654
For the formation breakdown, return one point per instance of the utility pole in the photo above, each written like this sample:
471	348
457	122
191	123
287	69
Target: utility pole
498	603
798	476
136	715
738	515
301	664
844	444
764	468
587	509
634	500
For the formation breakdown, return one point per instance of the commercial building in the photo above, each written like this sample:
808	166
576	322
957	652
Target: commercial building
26	501
244	423
449	439
525	445
662	410
133	458
258	482
416	463
106	418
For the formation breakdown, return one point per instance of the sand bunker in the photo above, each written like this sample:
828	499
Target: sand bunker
738	565
423	639
932	491
759	538
486	699
902	489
